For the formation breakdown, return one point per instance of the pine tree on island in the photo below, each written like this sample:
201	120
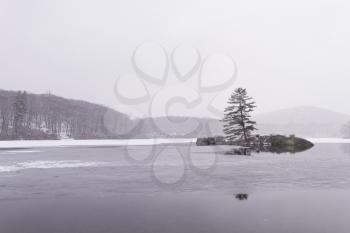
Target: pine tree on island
238	125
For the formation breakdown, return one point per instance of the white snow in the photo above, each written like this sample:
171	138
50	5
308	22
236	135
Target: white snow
122	142
42	164
329	140
19	151
67	143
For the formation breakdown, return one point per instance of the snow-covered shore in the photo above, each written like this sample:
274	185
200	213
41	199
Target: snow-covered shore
68	143
329	140
121	142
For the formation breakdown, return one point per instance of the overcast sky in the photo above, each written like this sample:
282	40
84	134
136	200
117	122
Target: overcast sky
288	53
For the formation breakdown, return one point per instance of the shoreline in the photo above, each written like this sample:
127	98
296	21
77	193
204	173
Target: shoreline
24	144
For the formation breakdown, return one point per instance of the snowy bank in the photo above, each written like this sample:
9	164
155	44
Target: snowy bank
123	142
329	140
68	143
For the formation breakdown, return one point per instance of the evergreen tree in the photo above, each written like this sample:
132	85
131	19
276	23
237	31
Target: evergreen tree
20	110
237	119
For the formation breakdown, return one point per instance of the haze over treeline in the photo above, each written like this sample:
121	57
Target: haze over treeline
288	53
46	116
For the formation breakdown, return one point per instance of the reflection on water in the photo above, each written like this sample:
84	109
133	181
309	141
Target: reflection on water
239	151
266	149
307	192
346	148
203	168
196	212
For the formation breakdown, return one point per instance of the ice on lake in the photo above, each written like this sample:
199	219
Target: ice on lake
172	186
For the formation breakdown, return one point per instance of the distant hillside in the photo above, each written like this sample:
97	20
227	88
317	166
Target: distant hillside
175	126
303	121
45	116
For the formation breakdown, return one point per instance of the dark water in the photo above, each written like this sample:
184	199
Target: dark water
174	188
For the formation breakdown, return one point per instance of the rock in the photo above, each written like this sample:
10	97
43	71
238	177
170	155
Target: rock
202	142
241	196
219	140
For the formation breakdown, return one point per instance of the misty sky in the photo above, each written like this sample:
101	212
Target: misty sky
288	53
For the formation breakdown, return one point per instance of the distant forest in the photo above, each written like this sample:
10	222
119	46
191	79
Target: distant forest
45	116
25	116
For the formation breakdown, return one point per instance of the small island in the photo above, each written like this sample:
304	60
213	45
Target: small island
270	143
239	130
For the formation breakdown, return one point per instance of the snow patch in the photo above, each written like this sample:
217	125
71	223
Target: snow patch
67	143
329	140
19	151
43	164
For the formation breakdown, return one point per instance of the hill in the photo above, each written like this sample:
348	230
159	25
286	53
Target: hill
177	126
304	121
48	116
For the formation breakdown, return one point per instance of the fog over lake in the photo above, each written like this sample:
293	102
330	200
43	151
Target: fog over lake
186	116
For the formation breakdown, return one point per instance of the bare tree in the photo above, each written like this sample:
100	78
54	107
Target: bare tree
20	110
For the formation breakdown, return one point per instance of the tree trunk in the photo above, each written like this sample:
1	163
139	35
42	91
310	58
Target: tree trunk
243	127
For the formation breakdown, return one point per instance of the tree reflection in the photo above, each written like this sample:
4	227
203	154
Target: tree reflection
276	150
346	148
239	151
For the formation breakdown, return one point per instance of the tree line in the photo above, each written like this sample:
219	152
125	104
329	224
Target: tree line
46	116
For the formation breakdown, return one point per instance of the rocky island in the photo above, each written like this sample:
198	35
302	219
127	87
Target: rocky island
239	130
270	143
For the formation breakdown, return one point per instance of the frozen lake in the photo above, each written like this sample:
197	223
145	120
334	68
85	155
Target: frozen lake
171	186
